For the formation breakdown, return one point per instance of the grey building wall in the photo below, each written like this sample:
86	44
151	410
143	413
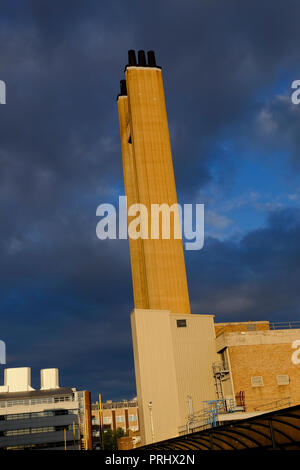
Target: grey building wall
50	437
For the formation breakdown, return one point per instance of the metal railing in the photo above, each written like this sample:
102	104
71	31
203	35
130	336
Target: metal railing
285	325
115	404
274	405
207	418
220	368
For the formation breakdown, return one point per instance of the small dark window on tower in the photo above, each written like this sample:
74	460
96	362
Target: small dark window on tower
129	140
181	323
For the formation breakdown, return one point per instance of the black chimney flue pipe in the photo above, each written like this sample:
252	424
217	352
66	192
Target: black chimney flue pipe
142	58
131	57
151	59
123	88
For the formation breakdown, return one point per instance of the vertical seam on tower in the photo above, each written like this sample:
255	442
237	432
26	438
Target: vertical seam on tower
143	264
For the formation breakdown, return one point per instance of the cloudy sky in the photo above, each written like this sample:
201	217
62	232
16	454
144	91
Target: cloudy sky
65	296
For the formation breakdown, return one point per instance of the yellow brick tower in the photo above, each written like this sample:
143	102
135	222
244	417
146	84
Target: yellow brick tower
158	267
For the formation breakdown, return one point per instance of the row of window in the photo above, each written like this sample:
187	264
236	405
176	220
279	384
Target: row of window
27	415
36	414
35	401
42	446
258	381
18	432
119	419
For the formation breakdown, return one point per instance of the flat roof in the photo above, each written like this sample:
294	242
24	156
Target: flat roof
242	322
36	393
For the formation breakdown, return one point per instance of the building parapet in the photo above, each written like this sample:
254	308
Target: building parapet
108	405
235	327
256	337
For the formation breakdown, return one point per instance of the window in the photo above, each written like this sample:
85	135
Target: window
120	419
283	380
38	401
107	420
132	417
257	381
16	432
46	400
18	416
251	327
42	413
45	429
181	323
58	399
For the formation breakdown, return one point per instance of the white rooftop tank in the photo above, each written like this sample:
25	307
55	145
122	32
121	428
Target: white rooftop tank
49	379
17	379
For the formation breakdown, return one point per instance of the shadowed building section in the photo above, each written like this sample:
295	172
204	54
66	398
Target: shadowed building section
158	266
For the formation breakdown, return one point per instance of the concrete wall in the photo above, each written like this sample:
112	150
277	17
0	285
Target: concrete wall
194	352
155	374
170	364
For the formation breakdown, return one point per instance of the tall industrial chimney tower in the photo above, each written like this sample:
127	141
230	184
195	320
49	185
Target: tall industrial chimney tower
158	267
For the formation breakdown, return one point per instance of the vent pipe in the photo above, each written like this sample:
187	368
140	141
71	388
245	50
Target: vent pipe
123	88
131	57
142	58
151	59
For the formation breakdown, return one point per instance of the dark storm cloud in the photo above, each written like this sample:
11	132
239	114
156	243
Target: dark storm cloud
275	128
256	278
218	56
66	296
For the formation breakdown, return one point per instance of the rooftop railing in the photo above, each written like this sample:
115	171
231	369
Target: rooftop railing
274	405
115	404
285	325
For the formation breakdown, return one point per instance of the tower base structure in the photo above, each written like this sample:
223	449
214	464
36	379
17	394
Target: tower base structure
173	358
